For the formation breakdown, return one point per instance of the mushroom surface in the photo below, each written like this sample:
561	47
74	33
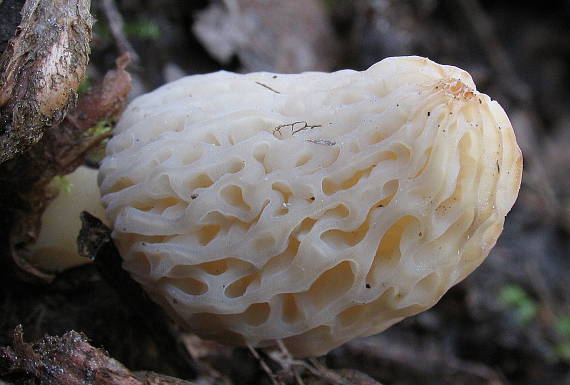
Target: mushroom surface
56	246
311	208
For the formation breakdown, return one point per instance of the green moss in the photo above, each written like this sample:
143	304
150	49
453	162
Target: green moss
85	85
562	326
515	298
562	351
62	183
329	4
142	29
102	31
101	127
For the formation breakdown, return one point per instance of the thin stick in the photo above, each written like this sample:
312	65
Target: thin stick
289	358
264	366
116	26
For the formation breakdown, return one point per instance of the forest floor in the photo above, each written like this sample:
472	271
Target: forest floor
507	323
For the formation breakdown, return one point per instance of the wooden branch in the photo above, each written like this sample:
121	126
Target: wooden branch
41	69
25	179
70	360
115	20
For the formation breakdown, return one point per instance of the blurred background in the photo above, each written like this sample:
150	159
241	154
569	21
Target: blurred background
509	322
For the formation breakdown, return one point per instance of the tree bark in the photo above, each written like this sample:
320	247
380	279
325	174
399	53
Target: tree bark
70	360
41	69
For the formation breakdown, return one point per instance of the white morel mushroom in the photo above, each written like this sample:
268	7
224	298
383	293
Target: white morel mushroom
310	208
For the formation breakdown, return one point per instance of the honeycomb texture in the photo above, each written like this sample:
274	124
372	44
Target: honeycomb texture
311	208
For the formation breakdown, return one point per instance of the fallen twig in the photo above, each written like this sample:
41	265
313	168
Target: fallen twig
315	372
25	179
41	69
423	363
116	24
70	360
264	366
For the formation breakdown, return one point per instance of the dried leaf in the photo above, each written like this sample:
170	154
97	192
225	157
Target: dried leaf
279	36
